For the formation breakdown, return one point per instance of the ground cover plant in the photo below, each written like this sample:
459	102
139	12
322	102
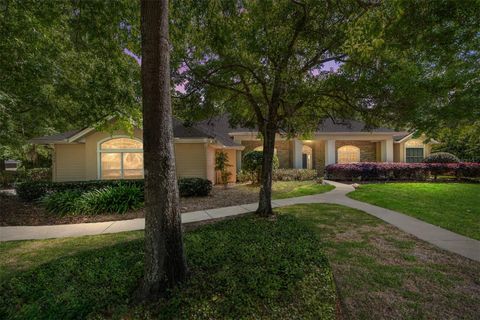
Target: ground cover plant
16	212
241	268
383	273
453	206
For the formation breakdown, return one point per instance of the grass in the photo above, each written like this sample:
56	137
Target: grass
243	268
382	273
291	189
453	206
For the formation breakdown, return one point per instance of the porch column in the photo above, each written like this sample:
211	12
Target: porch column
386	148
297	154
389	150
329	152
239	160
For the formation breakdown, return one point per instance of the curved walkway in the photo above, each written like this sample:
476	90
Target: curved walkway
440	237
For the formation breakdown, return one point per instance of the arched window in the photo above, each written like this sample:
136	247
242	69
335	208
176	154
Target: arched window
120	158
348	154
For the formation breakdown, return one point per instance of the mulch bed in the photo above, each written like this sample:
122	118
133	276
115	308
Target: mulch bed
14	212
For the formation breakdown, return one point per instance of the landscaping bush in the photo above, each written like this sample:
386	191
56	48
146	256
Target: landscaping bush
367	171
62	203
441	157
35	190
252	164
294	174
111	199
243	176
118	199
194	187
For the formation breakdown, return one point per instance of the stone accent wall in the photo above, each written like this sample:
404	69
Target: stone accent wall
367	149
284	153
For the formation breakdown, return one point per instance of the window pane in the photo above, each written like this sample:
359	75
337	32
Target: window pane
122	143
111	165
133	160
133	174
414	154
348	154
111	174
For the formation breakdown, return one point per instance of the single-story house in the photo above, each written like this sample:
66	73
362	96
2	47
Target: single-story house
88	154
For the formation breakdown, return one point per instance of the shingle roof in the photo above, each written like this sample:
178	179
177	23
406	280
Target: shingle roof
219	128
180	130
59	137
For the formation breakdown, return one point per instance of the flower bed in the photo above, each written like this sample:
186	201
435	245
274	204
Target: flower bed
369	171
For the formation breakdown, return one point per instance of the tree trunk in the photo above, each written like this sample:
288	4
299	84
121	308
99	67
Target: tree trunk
2	164
165	264
265	198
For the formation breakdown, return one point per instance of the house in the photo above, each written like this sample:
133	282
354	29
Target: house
89	154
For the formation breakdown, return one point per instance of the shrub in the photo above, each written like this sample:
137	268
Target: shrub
243	176
366	171
468	170
118	199
441	157
294	174
194	187
252	164
62	202
222	165
35	190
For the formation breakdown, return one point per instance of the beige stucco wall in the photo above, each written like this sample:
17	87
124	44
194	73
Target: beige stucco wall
69	162
191	160
91	147
75	162
399	150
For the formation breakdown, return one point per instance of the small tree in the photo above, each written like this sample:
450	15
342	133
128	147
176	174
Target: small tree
252	164
222	165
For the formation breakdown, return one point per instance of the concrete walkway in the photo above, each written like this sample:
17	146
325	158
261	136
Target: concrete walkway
442	238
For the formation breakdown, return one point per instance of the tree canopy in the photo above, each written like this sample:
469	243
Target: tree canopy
63	67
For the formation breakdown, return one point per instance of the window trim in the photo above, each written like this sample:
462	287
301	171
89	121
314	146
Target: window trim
405	149
420	148
121	151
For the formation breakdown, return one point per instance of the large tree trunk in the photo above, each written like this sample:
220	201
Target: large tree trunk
165	264
265	198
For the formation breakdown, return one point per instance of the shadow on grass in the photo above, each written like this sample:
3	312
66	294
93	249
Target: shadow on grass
242	268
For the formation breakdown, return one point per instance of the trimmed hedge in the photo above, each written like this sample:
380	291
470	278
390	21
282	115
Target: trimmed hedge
294	174
34	190
194	187
368	171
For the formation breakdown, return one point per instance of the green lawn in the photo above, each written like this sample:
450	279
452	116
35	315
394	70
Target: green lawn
453	206
243	268
383	273
291	189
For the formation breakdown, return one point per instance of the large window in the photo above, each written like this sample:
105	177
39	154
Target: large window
121	158
414	151
348	154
